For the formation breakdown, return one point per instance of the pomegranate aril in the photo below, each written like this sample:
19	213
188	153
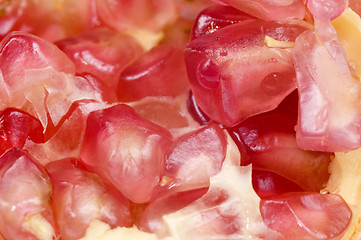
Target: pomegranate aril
78	197
16	127
216	17
133	146
159	72
25	190
194	158
306	216
196	111
267	183
268	141
151	15
225	74
102	52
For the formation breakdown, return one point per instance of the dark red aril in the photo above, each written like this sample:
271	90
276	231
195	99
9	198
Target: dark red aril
16	126
268	141
268	183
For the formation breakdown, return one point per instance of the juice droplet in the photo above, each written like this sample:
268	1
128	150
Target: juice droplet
273	83
208	75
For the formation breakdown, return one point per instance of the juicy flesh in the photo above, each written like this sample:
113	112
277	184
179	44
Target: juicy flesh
185	119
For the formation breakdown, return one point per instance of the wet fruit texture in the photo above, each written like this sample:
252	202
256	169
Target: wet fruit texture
79	197
133	146
178	119
224	75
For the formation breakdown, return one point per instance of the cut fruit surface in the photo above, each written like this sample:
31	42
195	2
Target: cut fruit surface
267	183
216	17
138	14
38	78
16	127
101	52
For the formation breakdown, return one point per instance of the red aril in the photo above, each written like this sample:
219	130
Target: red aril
51	20
268	141
267	183
270	9
25	15
216	17
151	15
165	112
91	83
102	52
159	72
329	107
38	78
125	150
25	191
16	127
196	111
168	112
194	158
306	216
227	68
191	9
78	197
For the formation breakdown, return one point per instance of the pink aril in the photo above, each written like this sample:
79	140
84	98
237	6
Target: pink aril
132	146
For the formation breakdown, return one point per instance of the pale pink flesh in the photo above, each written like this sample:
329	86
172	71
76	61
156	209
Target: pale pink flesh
80	197
329	109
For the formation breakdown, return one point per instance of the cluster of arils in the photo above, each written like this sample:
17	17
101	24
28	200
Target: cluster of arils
173	119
